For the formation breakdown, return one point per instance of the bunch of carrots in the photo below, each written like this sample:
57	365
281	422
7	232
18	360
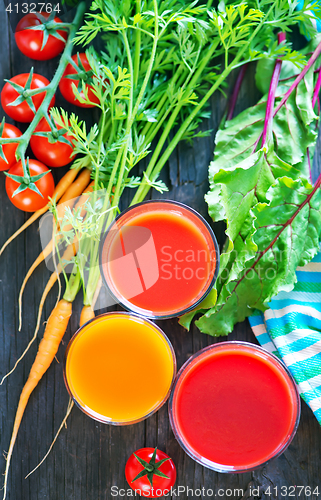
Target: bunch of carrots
73	186
67	190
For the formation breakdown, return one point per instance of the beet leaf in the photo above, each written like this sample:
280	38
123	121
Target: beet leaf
261	188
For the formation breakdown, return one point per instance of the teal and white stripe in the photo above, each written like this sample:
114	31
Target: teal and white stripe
291	329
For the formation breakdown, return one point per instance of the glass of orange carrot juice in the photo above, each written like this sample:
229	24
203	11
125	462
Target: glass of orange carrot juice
119	368
159	259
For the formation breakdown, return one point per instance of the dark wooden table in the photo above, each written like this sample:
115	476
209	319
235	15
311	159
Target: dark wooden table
89	458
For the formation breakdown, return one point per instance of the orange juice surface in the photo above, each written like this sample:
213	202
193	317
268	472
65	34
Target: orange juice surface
119	368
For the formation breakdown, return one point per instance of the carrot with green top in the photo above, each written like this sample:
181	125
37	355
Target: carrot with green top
87	314
68	254
48	347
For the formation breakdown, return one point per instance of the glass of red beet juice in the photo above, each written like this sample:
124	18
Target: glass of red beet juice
159	259
234	406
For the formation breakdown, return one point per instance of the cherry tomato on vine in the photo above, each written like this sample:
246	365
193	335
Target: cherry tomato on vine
29	200
42	44
150	472
51	147
83	72
9	150
12	91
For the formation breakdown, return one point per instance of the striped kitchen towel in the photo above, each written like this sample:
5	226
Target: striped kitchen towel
291	329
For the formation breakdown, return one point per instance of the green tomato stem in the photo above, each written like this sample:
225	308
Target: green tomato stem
32	92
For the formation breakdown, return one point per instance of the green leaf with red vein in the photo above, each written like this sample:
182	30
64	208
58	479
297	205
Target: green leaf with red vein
235	142
271	211
285	234
293	131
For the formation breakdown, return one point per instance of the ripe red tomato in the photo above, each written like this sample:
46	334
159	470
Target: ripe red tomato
30	41
9	150
84	73
28	200
22	112
145	471
53	154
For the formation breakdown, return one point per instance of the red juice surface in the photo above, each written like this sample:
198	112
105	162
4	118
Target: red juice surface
160	258
234	407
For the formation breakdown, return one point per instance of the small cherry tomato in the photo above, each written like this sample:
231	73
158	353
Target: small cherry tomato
42	44
150	472
23	112
9	150
29	200
82	73
52	148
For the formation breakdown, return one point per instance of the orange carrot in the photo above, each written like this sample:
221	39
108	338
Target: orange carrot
48	249
44	254
64	184
77	187
48	347
86	314
60	189
68	254
70	251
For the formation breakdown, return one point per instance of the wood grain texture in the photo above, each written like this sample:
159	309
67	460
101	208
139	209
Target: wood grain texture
89	457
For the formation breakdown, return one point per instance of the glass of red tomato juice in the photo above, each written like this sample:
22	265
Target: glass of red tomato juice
159	259
234	406
119	368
